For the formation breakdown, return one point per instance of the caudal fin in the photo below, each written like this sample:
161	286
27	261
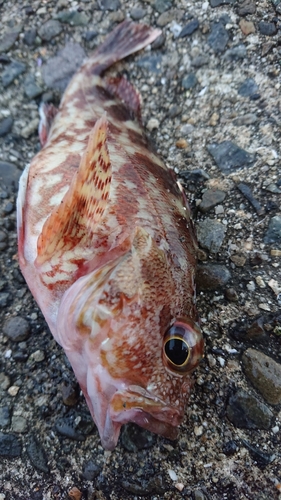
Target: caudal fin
128	37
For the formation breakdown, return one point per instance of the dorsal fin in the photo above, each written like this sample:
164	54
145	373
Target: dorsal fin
72	223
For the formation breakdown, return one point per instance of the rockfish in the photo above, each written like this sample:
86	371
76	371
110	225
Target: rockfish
108	249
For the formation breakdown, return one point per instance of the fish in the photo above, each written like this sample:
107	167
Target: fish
108	249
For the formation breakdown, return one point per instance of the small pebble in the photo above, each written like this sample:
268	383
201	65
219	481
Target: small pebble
218	37
13	390
189	28
247	27
189	81
260	282
247	7
37	356
211	277
75	494
264	307
264	373
248	88
6	126
19	424
269	29
16	328
210	234
231	295
49	30
152	124
210	199
172	475
30	128
198	430
182	144
238	260
10	445
229	157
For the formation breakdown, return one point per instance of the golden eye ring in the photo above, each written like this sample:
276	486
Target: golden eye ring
183	346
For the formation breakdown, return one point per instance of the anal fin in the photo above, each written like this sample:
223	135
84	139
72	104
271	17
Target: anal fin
72	223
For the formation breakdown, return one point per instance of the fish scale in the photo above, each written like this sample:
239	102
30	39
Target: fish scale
108	249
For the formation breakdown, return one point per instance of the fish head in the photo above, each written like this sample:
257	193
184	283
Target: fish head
129	343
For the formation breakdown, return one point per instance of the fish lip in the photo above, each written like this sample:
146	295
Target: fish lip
135	404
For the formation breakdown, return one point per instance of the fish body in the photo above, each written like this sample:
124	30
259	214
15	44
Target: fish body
108	249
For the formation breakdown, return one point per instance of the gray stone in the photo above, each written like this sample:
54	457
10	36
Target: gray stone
30	36
17	329
9	208
10	446
109	4
12	71
152	63
189	81
5	416
165	18
211	277
273	233
199	495
37	356
256	331
6	125
260	457
218	37
247	7
3	240
90	35
4	299
200	61
135	438
19	424
174	111
189	28
49	30
9	38
236	53
248	88
229	157
247	119
161	5
264	373
247	192
59	69
91	470
246	411
37	455
31	88
217	3
269	29
158	42
272	188
73	17
210	199
210	234
137	13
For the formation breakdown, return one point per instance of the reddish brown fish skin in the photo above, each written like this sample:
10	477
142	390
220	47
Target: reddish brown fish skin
144	237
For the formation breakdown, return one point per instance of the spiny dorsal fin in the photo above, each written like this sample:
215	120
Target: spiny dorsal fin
72	223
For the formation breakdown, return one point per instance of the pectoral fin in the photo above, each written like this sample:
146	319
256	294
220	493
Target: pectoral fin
73	222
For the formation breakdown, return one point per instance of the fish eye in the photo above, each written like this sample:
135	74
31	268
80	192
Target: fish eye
183	346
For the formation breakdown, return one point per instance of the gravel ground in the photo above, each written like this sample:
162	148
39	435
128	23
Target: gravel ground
211	103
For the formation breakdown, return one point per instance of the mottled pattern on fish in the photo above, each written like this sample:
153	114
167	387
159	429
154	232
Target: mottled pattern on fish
107	246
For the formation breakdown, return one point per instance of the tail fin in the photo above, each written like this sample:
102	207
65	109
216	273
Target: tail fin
128	37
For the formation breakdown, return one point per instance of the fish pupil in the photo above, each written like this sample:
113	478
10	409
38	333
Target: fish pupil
177	351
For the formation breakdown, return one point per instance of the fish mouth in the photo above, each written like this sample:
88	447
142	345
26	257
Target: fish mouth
136	405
